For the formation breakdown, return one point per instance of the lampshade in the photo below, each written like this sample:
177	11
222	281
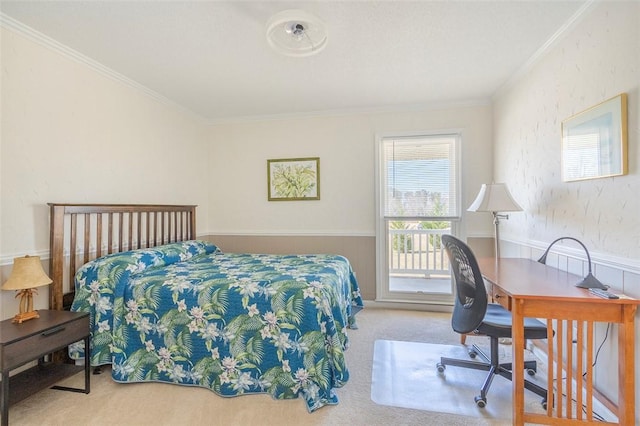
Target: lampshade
296	33
494	197
27	272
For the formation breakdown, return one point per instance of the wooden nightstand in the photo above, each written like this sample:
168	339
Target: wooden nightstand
32	340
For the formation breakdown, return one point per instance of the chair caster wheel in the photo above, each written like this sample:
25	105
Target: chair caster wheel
480	401
473	354
440	367
544	404
531	372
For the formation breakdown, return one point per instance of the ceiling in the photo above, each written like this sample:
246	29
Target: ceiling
212	57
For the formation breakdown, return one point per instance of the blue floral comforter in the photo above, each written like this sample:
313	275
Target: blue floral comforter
186	313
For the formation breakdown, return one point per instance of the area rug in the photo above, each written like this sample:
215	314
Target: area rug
405	375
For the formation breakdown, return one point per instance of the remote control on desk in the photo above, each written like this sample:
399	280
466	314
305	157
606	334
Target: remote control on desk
602	293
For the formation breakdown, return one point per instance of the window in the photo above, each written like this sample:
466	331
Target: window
418	201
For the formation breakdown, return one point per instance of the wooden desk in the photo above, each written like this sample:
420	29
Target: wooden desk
531	289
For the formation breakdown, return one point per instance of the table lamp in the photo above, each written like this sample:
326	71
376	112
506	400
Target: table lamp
495	198
26	275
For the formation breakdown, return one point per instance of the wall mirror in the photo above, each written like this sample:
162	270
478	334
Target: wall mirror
594	142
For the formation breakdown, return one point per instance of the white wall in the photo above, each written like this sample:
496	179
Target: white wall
597	60
71	134
346	147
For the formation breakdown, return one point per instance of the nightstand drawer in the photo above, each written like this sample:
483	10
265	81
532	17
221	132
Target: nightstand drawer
45	342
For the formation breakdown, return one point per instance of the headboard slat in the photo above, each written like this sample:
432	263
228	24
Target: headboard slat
87	237
162	229
183	221
169	221
130	240
99	235
155	228
110	234
120	230
136	226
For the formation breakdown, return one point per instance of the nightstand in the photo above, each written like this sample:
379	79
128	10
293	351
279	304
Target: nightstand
32	340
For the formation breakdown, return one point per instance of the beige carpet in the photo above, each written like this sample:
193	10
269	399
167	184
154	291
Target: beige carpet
110	403
405	375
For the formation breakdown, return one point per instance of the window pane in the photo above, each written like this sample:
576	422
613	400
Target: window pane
420	176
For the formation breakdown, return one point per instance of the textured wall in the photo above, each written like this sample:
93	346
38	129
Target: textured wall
597	60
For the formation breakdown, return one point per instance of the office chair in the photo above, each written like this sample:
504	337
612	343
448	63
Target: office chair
473	313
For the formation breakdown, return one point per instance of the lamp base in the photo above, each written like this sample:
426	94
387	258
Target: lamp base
591	282
25	316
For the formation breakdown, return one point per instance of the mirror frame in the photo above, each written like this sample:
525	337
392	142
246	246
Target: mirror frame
594	141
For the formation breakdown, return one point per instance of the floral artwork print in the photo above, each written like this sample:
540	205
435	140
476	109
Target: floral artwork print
294	179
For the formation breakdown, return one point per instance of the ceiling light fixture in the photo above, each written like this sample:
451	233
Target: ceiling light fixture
296	33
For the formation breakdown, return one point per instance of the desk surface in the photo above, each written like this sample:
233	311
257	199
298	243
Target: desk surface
528	279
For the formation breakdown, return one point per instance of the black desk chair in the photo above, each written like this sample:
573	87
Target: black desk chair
473	314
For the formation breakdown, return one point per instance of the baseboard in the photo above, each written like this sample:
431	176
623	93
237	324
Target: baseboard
421	306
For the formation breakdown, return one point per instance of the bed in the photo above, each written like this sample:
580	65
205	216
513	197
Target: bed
167	307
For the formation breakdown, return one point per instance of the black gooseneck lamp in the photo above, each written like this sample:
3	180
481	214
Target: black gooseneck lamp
587	282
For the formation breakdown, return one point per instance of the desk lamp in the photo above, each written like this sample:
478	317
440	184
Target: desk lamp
495	198
587	282
27	273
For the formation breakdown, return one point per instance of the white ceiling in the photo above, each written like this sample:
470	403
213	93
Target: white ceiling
212	57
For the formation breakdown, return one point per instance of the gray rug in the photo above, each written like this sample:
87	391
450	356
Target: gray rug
404	375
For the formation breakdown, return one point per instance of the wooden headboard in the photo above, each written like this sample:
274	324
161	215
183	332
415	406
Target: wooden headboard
83	232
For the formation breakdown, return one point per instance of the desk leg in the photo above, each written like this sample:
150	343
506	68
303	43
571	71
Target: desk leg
626	368
518	362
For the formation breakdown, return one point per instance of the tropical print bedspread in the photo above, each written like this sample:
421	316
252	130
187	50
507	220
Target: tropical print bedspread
186	313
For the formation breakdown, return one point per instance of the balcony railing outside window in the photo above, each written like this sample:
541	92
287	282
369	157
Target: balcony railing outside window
418	252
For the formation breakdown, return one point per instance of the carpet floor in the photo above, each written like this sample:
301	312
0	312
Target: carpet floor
159	404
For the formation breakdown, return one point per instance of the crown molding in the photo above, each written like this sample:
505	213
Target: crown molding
571	23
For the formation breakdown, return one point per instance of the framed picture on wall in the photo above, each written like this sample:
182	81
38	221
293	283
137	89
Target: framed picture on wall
594	142
293	179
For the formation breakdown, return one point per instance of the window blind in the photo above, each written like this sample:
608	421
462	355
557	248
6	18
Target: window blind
421	176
